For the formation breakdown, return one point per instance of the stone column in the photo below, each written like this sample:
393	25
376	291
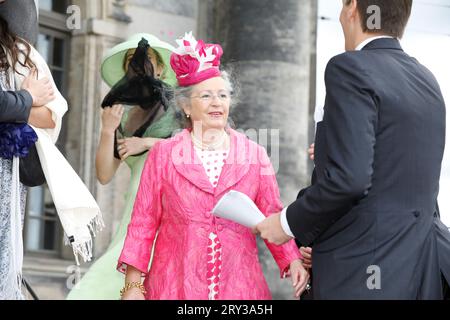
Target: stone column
270	47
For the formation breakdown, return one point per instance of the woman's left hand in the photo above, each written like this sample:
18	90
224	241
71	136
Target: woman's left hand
300	277
134	145
306	252
311	151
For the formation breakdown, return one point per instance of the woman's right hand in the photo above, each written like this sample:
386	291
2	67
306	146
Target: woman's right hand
133	294
111	117
134	145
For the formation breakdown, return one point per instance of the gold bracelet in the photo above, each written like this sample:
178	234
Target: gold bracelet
130	285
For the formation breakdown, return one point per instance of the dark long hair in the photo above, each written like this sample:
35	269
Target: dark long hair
11	45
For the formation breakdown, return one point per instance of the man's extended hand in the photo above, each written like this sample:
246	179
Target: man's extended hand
270	229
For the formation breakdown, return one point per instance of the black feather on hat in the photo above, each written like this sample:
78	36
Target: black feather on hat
142	92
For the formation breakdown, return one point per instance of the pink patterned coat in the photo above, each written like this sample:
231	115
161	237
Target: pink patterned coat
175	199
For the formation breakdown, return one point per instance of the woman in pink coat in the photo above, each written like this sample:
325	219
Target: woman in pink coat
197	255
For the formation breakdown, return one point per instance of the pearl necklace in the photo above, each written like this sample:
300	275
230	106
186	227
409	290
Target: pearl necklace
210	147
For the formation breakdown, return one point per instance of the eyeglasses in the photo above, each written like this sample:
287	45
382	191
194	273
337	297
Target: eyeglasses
208	96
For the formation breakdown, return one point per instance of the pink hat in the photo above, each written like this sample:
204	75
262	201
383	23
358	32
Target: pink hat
194	61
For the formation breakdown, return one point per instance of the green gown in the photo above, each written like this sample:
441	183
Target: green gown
103	281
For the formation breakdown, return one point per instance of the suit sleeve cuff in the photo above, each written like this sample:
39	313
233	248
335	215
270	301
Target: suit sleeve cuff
284	223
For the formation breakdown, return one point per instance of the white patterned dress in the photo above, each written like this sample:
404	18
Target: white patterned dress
213	162
5	221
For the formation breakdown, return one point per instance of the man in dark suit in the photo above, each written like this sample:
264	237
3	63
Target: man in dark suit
370	215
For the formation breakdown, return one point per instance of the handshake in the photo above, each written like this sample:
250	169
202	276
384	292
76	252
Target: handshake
238	207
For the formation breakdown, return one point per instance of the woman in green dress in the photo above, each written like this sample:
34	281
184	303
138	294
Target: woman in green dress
102	281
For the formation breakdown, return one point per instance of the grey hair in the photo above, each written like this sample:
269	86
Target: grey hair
182	96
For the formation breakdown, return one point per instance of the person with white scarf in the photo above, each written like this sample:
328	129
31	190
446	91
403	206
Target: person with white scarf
78	212
16	107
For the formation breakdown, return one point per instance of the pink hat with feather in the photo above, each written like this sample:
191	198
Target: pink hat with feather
194	61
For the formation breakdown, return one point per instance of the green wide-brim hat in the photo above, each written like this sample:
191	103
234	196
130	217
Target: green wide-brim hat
112	66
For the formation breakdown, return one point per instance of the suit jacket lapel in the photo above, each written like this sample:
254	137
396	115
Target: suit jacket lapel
190	166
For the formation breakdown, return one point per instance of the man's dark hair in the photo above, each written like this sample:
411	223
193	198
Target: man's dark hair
394	15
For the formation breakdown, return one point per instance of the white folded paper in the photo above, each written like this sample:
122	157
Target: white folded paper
238	207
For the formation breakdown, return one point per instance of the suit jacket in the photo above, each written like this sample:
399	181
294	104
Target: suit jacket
15	106
443	247
378	151
175	198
